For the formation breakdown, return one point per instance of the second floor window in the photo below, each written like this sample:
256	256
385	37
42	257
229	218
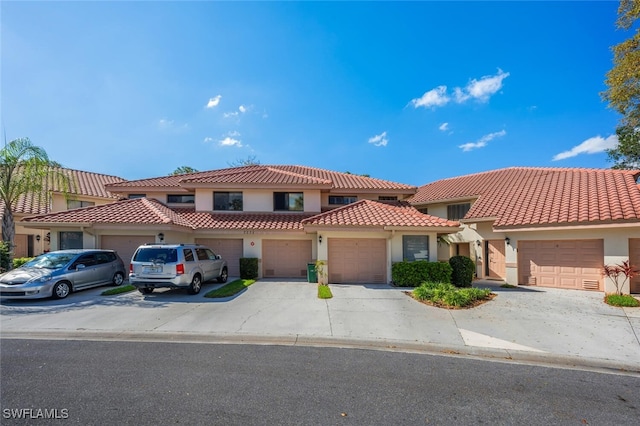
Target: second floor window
457	211
134	196
181	198
388	198
227	201
342	199
289	201
76	204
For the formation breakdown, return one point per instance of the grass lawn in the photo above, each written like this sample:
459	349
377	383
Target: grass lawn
230	289
324	292
118	290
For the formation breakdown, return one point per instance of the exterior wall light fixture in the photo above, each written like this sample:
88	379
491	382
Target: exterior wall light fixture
507	240
161	237
320	239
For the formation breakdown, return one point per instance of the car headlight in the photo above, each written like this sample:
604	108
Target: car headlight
42	279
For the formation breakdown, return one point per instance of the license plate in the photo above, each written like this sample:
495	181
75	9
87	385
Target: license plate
152	269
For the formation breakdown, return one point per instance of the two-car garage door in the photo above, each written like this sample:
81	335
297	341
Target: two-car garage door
574	264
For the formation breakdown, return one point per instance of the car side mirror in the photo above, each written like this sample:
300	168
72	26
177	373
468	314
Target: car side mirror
218	257
80	266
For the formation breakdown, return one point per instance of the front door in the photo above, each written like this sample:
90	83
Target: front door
496	267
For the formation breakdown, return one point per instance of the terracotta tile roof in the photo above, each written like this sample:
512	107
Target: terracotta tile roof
376	214
245	221
136	211
86	184
275	175
150	211
523	197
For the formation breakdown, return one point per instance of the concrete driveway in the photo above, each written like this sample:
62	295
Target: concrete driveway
562	327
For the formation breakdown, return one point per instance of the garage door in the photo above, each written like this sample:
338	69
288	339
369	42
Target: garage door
353	260
634	259
125	245
229	248
572	264
285	258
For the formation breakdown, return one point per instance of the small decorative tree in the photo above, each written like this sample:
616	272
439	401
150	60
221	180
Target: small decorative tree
614	271
320	271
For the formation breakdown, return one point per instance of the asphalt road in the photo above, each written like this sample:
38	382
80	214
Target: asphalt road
109	382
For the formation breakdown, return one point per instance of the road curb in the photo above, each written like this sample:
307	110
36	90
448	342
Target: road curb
492	354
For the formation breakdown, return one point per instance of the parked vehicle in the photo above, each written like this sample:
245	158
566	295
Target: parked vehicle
175	266
58	273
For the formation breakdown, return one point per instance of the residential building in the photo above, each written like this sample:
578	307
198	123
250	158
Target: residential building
551	227
286	216
86	189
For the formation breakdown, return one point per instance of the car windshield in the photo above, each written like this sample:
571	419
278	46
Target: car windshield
50	261
156	255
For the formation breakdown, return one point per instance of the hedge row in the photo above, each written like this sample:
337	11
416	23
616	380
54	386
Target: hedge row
412	274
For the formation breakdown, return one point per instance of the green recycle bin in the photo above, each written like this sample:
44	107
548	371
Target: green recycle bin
312	275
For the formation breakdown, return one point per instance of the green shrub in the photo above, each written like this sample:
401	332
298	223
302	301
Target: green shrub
4	256
412	274
622	300
19	261
445	294
463	270
248	268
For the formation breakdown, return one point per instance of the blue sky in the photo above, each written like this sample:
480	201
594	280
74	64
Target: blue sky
406	91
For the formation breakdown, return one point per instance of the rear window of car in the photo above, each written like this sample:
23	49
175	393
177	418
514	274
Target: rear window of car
158	255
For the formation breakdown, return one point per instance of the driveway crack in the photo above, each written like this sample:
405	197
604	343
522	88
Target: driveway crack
329	317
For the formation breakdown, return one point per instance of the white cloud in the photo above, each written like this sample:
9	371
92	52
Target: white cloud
379	140
242	109
230	114
213	102
482	142
432	98
163	123
229	141
481	89
444	127
208	139
590	146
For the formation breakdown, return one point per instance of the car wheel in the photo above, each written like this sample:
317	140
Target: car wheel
118	278
61	290
223	276
196	285
145	290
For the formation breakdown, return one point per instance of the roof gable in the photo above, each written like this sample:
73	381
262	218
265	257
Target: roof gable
267	175
522	196
373	213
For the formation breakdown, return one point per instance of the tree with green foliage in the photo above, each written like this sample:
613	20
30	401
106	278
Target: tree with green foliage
183	170
249	161
25	169
626	155
623	92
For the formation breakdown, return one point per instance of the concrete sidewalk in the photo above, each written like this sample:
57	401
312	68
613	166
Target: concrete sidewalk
562	327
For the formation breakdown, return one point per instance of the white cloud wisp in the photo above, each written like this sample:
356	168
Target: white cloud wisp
214	102
482	142
379	140
590	146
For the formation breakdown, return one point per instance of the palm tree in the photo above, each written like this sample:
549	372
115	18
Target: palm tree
25	169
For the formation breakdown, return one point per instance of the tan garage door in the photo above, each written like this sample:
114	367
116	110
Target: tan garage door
285	258
634	259
353	260
125	245
572	264
229	248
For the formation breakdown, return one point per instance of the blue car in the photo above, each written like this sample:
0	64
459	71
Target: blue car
58	273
